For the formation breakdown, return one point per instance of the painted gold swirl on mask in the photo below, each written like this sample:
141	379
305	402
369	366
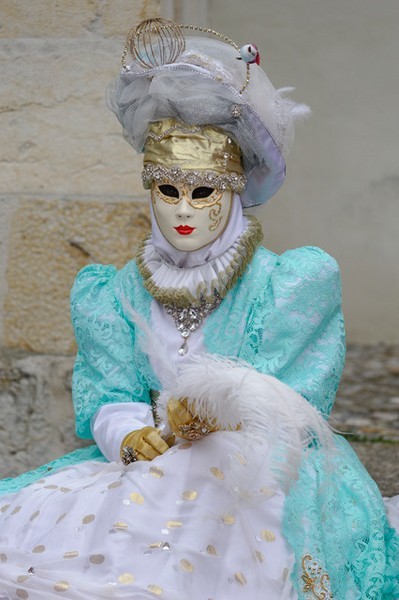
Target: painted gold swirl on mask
214	215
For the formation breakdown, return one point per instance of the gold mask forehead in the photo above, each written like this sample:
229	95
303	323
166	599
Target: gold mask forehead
196	155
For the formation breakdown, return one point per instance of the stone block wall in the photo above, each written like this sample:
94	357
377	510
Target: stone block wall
50	240
70	189
70	194
36	417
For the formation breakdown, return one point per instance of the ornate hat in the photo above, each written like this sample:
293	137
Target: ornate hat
196	83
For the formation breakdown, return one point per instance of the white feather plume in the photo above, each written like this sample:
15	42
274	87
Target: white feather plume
149	343
276	424
288	112
268	412
296	110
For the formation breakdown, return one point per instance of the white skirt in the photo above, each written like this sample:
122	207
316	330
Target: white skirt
172	528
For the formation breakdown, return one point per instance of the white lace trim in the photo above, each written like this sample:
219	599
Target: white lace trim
201	280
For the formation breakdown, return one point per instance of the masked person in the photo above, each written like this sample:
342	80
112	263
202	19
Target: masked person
230	484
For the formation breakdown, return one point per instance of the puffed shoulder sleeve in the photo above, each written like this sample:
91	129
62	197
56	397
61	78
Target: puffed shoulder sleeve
303	339
104	370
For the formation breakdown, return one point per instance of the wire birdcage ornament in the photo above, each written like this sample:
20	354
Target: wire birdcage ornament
156	42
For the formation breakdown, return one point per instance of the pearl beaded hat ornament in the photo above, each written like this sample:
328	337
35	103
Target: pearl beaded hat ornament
201	81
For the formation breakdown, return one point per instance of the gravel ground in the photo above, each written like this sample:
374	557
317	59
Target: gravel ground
367	407
382	462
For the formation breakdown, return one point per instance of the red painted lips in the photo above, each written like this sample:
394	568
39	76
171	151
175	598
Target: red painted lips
184	229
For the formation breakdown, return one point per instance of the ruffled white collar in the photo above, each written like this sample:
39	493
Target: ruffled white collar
189	286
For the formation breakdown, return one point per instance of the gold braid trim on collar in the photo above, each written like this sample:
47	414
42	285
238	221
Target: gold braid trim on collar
225	281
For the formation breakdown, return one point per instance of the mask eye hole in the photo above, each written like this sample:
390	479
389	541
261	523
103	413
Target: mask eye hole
169	190
202	192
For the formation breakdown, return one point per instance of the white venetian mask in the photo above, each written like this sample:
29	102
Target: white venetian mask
190	217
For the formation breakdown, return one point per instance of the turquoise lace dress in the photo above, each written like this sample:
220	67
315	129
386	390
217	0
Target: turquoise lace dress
283	318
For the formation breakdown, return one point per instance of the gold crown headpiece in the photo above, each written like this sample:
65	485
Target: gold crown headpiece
157	42
195	155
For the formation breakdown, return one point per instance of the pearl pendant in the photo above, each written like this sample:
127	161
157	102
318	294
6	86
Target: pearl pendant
183	348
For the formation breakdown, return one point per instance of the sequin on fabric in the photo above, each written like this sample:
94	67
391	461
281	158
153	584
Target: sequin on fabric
61	586
126	578
155	589
216	472
186	565
137	498
71	554
88	519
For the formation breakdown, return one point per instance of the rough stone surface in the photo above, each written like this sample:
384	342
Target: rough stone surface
61	137
76	18
7	209
382	462
60	142
367	403
50	241
36	417
57	60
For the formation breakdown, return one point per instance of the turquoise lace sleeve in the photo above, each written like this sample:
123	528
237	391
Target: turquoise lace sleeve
296	327
105	370
284	318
